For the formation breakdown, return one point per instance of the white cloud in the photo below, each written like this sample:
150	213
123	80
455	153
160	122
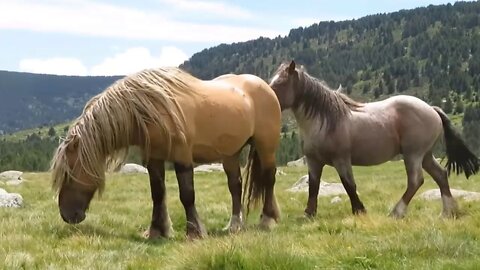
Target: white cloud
60	66
90	18
138	58
126	62
212	7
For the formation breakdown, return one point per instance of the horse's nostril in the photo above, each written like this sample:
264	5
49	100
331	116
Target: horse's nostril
79	216
73	218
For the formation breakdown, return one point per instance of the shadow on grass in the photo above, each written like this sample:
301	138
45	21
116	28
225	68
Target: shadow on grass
65	231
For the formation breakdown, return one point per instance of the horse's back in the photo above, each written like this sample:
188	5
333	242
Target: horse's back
261	95
416	122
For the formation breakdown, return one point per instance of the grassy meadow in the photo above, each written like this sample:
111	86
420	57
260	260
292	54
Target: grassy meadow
35	237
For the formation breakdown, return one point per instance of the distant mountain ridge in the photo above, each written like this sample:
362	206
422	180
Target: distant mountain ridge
29	100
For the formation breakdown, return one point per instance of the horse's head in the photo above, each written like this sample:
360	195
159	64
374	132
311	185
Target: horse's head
75	183
285	84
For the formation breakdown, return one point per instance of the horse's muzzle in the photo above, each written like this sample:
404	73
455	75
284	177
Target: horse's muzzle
74	217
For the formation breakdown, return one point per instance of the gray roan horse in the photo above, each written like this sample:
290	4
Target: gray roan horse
341	132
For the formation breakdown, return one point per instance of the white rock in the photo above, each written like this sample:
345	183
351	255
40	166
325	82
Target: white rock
335	200
297	163
133	168
10	199
11	175
326	189
206	168
14	182
280	172
434	194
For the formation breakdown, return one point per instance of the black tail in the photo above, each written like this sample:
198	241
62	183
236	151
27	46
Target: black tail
254	188
459	157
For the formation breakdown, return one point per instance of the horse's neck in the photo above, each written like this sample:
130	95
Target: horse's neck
308	125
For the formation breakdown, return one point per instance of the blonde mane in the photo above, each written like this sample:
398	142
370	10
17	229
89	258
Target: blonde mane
113	118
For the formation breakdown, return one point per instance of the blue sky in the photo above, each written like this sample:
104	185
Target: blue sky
106	37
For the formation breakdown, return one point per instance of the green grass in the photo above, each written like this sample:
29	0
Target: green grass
35	237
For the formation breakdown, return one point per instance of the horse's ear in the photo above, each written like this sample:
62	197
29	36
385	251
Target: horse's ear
291	67
73	144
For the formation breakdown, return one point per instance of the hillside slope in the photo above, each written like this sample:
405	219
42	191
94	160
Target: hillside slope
30	100
431	52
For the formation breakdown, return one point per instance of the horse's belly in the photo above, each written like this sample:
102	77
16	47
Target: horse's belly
206	154
219	148
374	153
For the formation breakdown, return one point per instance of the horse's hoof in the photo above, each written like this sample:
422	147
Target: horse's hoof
396	215
235	225
361	211
449	214
267	223
196	232
152	233
308	215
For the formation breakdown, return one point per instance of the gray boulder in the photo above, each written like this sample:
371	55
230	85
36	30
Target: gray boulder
207	168
297	163
10	199
11	178
133	168
326	189
434	194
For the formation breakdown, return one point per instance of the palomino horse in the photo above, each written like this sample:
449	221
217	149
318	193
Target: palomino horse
341	132
173	116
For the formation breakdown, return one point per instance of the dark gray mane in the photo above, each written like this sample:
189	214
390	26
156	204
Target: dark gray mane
316	99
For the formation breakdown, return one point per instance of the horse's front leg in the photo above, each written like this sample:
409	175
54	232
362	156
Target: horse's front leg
344	170
195	228
161	224
231	166
315	169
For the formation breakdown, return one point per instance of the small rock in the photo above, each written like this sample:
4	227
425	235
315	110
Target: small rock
280	172
206	168
11	175
335	200
434	194
297	163
10	199
326	189
133	168
14	182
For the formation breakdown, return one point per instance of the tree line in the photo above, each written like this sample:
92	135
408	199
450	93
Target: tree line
35	152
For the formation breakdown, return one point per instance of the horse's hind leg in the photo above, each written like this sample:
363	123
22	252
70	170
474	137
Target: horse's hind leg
439	175
195	228
161	224
344	170
270	213
413	166
231	166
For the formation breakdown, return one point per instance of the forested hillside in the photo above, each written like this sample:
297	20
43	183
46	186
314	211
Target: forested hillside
30	100
431	52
